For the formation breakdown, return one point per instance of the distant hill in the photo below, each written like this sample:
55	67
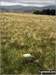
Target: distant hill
49	7
25	9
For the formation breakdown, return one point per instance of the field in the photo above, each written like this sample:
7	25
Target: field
27	33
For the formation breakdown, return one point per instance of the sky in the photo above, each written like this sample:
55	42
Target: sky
38	3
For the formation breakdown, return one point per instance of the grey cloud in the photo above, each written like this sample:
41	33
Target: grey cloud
31	2
25	0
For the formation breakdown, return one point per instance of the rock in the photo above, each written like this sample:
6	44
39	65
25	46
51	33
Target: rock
27	55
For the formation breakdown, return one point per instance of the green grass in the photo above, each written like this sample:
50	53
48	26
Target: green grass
27	33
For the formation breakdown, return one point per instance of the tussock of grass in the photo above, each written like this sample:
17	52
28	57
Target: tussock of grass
27	33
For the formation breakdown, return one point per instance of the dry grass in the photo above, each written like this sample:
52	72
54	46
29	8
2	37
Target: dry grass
27	33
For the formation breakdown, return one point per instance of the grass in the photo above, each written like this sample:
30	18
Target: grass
27	33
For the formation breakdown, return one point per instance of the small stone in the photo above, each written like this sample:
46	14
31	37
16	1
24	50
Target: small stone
27	55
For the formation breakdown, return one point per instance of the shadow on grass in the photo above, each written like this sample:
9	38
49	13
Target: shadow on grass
18	46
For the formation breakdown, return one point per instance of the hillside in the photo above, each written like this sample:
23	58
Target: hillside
25	9
27	33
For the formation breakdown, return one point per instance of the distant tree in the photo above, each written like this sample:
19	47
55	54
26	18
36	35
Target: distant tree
45	12
52	11
37	12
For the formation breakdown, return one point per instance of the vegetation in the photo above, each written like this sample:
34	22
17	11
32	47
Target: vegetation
45	12
27	33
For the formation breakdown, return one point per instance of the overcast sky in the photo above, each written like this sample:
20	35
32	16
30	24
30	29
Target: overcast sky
39	3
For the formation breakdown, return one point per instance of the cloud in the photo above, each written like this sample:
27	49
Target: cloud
39	3
25	0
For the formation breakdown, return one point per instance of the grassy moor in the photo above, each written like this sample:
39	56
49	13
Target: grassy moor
27	34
